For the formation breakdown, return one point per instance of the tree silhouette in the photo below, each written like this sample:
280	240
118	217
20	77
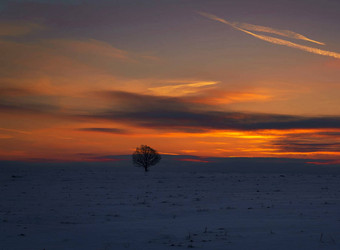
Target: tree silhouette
145	156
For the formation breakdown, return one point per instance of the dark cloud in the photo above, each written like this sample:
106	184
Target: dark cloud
298	146
166	113
104	130
27	107
310	142
140	102
330	134
26	100
177	114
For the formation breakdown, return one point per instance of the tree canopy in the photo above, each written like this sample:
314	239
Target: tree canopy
145	156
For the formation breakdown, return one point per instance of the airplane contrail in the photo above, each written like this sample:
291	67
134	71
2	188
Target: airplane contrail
294	45
286	33
273	39
252	27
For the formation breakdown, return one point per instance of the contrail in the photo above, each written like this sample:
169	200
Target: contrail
286	33
252	27
294	45
275	40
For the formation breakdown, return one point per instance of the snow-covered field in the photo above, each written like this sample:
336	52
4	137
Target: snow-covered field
104	207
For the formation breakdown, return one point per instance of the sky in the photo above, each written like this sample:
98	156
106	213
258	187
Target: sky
87	80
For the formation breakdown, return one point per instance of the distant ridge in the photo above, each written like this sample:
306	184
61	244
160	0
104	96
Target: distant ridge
190	163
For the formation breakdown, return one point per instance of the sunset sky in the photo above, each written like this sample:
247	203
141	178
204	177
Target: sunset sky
85	80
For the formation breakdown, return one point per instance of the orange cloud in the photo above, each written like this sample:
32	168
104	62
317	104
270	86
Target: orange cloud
217	97
4	136
182	89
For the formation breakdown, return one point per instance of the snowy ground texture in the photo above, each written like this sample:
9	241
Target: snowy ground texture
103	207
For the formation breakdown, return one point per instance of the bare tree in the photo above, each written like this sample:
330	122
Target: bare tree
145	156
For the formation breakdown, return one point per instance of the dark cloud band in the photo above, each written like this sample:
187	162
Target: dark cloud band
176	113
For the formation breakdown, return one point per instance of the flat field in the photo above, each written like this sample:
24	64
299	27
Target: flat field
89	207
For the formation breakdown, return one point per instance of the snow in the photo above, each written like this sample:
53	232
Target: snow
120	207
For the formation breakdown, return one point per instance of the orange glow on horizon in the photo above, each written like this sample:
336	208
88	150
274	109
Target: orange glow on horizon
67	143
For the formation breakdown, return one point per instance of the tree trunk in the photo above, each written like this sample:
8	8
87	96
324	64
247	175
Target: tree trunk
146	168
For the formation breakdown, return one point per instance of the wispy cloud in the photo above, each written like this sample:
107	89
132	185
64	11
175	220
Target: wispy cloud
181	89
14	29
15	131
92	47
273	40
